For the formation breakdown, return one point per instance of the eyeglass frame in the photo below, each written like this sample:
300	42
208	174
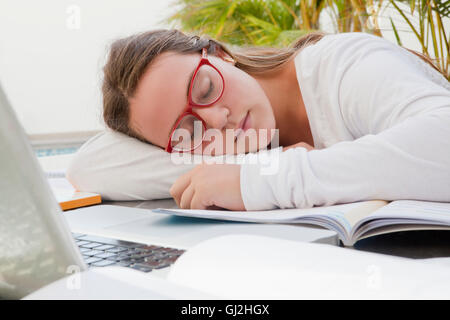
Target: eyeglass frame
190	103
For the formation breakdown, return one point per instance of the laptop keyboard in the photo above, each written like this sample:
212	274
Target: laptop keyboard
102	252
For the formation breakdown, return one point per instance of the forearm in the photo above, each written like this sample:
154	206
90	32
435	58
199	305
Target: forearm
408	161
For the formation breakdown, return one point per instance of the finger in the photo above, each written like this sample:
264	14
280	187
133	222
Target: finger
300	144
198	201
306	146
179	186
186	197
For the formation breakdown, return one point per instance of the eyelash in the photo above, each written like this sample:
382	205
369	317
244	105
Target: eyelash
209	90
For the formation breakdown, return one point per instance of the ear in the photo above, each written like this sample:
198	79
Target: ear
225	56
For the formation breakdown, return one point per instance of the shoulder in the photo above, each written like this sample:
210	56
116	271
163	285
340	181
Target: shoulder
336	54
348	45
336	50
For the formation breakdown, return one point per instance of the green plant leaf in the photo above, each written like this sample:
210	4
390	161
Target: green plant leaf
442	8
397	37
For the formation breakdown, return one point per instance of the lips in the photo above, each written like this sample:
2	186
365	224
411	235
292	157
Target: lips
243	125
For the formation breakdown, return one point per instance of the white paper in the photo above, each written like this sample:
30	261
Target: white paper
255	267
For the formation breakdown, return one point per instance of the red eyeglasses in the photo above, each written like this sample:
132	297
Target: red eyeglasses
206	88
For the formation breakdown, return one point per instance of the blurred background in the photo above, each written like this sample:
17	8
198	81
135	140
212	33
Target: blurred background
52	51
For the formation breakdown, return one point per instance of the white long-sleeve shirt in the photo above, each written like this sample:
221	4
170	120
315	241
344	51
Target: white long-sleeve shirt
380	119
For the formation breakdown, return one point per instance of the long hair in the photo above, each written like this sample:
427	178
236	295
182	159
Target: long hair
129	58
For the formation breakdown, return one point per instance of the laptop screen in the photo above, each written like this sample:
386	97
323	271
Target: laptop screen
36	247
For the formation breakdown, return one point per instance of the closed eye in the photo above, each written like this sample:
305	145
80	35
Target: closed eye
211	88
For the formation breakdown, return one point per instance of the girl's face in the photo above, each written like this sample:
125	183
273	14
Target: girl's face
162	96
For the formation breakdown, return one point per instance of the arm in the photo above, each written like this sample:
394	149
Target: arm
408	161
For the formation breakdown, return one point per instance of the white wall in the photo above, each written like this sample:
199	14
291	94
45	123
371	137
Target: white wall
51	68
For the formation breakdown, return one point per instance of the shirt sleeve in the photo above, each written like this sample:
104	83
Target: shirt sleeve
403	150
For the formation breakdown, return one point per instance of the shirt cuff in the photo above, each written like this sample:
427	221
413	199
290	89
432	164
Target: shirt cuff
255	189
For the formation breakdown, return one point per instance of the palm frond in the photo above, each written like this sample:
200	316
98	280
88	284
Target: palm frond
442	8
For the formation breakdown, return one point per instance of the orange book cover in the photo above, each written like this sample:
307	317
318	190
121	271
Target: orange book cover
70	198
79	199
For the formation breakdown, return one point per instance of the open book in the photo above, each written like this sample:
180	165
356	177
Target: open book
351	221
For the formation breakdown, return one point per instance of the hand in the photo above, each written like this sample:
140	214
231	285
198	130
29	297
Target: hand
209	186
300	144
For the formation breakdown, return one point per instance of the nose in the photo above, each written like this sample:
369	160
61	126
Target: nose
215	116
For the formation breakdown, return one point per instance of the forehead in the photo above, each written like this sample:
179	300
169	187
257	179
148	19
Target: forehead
161	95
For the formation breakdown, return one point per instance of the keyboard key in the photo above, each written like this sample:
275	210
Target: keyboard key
167	250
123	264
127	252
105	255
91	245
150	247
117	249
152	263
131	260
104	247
170	259
92	260
123	256
91	252
176	252
141	255
141	267
103	263
157	256
100	252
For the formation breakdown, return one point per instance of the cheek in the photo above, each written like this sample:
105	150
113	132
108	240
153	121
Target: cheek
152	127
243	93
240	95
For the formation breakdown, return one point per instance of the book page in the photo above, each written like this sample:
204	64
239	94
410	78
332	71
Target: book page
339	212
416	210
62	188
404	215
365	209
259	267
340	217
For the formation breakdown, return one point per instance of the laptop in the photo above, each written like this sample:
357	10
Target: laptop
36	246
39	244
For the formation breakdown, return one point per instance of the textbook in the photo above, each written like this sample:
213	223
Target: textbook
66	195
352	221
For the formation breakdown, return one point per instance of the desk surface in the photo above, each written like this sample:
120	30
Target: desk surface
410	244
